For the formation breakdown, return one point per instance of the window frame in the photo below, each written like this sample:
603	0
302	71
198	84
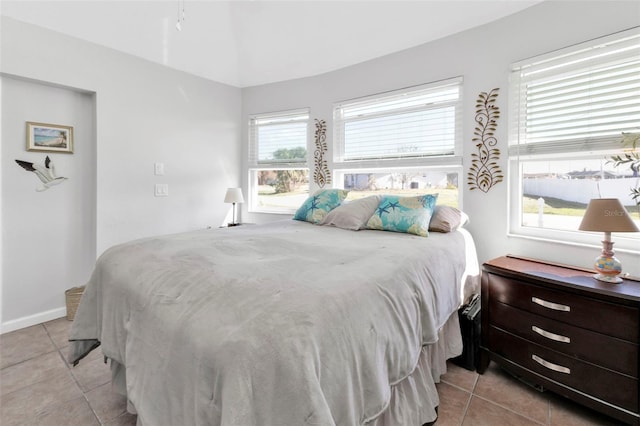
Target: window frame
623	242
256	165
449	162
598	147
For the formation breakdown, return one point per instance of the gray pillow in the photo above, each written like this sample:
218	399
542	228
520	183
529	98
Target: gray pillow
352	215
447	219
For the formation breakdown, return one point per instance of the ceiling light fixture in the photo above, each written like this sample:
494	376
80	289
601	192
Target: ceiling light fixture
180	15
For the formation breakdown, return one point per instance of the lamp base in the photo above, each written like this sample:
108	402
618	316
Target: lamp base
608	268
608	278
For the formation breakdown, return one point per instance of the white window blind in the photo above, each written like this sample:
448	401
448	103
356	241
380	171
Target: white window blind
417	122
579	99
278	138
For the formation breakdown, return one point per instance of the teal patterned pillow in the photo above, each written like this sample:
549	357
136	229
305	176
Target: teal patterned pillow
316	207
404	214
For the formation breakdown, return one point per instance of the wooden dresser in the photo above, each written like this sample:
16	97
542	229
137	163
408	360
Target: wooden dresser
560	329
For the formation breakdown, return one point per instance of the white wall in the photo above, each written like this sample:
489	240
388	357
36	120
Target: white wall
482	56
49	235
144	113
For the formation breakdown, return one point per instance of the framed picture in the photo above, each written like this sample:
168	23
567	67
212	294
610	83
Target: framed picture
49	137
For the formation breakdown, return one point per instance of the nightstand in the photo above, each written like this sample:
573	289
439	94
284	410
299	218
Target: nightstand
558	328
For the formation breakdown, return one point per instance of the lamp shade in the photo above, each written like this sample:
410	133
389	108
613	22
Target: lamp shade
234	195
607	215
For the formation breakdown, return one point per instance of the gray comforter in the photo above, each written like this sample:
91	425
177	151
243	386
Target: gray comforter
281	324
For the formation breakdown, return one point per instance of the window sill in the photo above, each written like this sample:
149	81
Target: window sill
619	248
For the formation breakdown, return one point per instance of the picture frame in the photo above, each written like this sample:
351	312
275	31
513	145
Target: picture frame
45	137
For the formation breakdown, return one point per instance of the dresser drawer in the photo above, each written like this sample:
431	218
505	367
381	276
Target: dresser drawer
610	352
597	315
598	382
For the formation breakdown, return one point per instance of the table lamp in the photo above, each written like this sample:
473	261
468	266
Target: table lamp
234	195
607	215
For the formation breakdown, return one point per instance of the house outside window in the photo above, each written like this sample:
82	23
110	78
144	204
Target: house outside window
568	111
278	172
405	142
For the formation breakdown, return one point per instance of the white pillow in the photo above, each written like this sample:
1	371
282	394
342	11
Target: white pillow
447	219
352	215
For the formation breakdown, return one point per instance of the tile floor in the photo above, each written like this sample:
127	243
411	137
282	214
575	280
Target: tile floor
38	387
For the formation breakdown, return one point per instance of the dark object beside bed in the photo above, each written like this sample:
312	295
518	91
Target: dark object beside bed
469	316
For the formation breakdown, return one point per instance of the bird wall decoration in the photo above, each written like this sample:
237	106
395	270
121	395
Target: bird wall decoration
45	172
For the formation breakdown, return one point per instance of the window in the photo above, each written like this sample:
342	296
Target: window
569	110
278	173
403	142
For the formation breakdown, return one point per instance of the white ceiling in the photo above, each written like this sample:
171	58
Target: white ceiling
247	43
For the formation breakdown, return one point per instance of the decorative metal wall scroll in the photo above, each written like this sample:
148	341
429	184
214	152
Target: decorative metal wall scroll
485	172
321	174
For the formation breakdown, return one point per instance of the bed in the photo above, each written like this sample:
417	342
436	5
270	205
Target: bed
288	323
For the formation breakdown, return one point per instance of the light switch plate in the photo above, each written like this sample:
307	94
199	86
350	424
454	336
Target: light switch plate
162	190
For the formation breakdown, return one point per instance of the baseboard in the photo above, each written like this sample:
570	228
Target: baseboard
25	322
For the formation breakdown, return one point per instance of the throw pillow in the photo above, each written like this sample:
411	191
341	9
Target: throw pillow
404	214
316	207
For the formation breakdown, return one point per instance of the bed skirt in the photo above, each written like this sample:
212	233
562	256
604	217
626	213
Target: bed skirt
413	400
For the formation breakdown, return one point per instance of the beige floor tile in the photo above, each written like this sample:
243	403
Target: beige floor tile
31	371
500	387
59	331
21	345
36	399
460	377
92	371
453	404
106	403
485	413
72	413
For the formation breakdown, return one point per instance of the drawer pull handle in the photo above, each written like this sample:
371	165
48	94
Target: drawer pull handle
549	335
551	305
550	365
